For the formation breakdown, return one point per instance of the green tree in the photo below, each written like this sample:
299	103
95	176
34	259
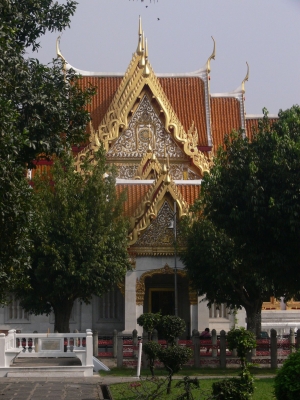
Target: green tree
80	246
243	236
42	111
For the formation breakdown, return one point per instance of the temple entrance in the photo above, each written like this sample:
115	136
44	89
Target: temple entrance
159	296
162	300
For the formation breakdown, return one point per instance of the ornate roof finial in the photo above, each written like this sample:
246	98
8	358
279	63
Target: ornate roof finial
146	69
142	61
139	49
212	57
245	79
58	52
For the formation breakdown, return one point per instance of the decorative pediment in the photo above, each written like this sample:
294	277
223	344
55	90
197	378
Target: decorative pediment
145	130
139	78
155	210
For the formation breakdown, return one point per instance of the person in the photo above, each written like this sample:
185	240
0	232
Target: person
205	335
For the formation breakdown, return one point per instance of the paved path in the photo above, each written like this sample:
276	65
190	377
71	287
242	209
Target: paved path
51	389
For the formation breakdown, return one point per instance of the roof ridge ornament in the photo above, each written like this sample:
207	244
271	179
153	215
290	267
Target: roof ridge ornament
212	57
245	79
139	49
58	52
146	69
142	61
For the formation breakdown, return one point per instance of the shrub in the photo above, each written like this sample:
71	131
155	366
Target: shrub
241	340
152	350
173	358
149	321
287	382
235	388
171	328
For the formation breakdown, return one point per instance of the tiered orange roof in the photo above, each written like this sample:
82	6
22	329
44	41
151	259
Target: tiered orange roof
186	95
225	116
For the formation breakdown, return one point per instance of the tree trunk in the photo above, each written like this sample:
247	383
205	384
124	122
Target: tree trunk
62	314
254	318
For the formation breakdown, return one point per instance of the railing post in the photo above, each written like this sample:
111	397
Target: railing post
214	352
115	343
95	343
273	348
155	336
223	349
144	356
89	348
135	343
292	340
2	350
298	339
196	343
120	350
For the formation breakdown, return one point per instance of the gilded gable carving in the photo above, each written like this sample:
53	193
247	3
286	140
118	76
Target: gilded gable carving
158	235
145	128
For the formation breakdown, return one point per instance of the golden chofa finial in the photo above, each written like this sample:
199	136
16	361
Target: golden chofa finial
245	79
58	52
142	61
139	49
146	69
212	57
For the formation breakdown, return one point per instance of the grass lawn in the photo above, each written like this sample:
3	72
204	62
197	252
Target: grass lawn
132	391
188	371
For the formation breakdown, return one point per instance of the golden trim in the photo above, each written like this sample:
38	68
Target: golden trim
245	79
128	93
212	57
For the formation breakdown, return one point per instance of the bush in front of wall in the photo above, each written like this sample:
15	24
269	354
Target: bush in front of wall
287	380
152	350
235	388
171	328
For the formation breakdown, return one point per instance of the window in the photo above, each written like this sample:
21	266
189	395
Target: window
14	312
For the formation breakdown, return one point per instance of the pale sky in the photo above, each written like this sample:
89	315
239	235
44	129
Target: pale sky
265	33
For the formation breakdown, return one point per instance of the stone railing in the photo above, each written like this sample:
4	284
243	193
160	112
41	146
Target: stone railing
33	345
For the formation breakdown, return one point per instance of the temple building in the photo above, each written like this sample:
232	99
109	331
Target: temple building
161	132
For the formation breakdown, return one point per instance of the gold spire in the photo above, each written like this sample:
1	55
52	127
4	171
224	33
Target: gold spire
212	57
146	69
139	49
142	61
245	79
58	52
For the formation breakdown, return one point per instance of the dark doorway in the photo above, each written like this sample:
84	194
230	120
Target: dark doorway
161	300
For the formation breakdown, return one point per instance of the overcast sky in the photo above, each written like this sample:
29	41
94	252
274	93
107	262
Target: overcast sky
265	33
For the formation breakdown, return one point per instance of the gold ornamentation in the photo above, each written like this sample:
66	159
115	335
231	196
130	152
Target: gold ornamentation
140	283
127	95
152	203
193	296
145	128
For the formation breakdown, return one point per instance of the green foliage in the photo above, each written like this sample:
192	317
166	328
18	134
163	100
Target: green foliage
241	340
234	388
80	247
152	350
149	321
243	236
188	385
42	111
287	383
174	357
171	327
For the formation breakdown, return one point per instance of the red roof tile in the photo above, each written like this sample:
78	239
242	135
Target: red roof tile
134	195
189	192
225	116
186	95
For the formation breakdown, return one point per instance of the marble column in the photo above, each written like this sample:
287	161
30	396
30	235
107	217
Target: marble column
130	302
